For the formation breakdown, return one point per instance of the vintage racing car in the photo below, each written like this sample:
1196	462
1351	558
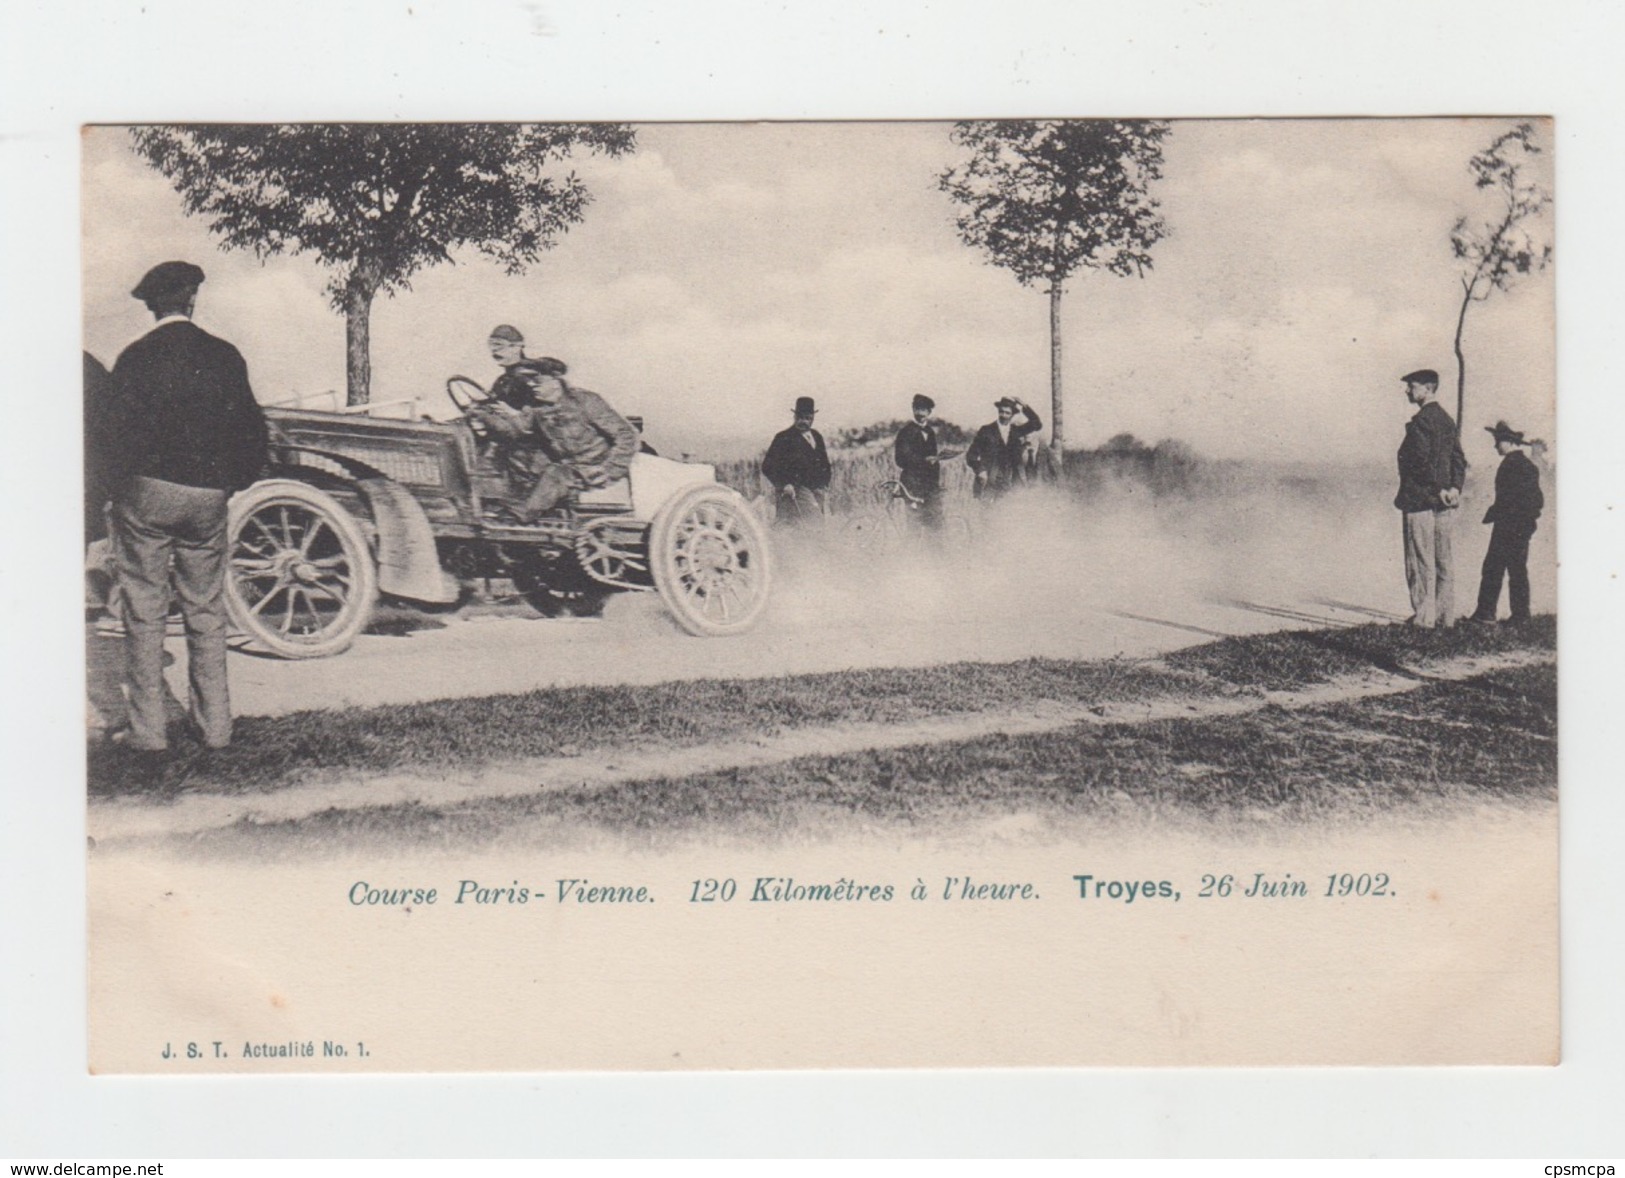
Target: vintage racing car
357	505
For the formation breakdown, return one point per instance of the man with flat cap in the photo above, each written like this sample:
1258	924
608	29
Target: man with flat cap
189	434
996	452
1432	469
797	464
1518	503
919	462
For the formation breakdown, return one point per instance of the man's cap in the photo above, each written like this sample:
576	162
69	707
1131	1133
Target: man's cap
1505	433
540	366
504	331
543	368
1421	376
921	401
805	407
167	278
1006	403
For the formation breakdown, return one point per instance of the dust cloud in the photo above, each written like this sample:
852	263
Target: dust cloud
1118	569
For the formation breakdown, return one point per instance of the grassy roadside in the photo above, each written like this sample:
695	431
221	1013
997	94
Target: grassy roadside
270	752
1489	739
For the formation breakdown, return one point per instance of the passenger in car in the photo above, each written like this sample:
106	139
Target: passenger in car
565	439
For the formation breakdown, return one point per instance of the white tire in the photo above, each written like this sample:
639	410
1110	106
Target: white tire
300	577
711	562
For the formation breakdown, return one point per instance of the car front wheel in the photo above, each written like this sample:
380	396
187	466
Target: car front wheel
709	555
300	579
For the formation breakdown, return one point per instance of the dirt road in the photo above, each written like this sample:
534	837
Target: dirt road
1044	576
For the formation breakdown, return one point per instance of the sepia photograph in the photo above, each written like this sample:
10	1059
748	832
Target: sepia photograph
714	595
872	580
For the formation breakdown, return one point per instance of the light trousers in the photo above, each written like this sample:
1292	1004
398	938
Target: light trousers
170	538
1430	567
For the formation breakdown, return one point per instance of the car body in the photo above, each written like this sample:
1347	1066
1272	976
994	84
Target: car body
356	505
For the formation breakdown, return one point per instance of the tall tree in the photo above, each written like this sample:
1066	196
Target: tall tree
1047	198
376	203
1495	252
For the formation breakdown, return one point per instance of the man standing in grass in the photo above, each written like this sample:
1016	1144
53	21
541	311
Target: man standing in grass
1518	503
996	452
797	464
1432	469
189	434
919	463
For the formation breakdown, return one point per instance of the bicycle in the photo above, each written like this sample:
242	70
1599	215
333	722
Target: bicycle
893	518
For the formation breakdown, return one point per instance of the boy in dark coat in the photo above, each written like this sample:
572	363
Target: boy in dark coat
1518	503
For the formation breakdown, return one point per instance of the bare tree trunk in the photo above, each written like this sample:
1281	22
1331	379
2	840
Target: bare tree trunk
1461	362
1055	435
358	294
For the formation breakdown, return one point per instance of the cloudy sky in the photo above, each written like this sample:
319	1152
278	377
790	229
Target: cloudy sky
725	269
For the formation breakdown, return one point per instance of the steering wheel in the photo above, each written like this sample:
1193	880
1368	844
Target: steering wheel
468	395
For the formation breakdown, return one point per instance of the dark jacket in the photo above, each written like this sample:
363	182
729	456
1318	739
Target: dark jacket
791	461
510	390
1430	460
97	445
578	430
915	445
183	411
1001	458
1518	501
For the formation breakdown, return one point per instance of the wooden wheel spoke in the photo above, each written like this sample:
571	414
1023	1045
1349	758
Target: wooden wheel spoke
724	595
310	608
315	529
264	601
270	537
325	590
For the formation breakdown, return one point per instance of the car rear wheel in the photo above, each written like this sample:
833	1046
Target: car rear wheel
709	555
573	599
300	579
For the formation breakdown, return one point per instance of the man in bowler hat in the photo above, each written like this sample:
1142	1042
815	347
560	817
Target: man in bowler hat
1518	503
996	452
919	462
797	464
189	434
